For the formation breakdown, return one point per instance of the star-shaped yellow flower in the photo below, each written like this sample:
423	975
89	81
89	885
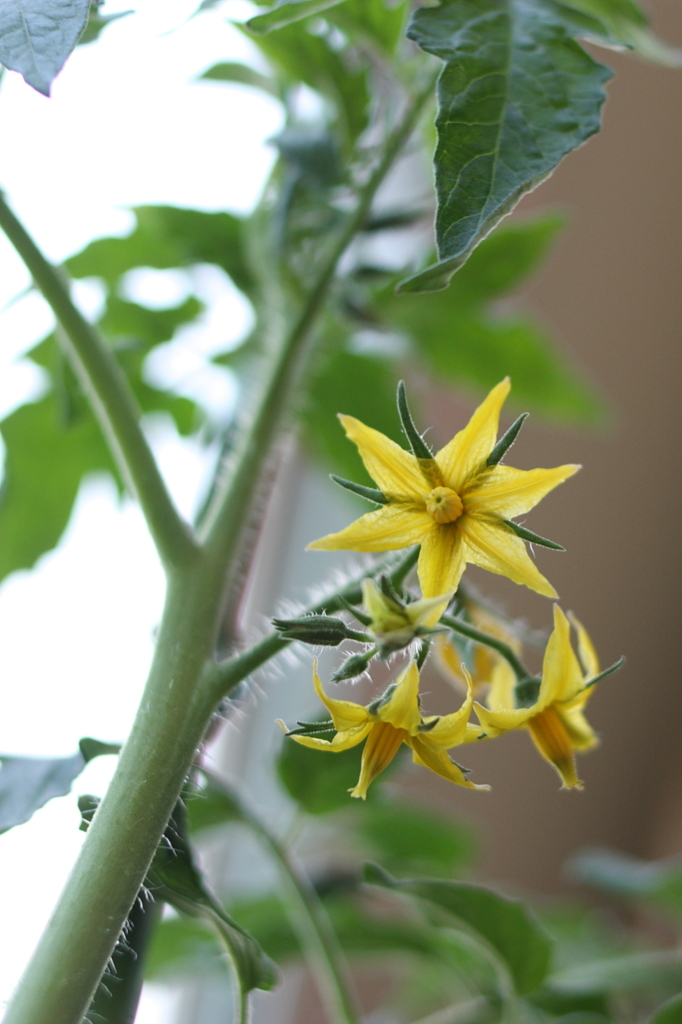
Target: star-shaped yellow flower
555	720
394	719
396	625
454	505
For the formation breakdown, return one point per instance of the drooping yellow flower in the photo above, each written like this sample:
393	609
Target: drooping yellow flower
454	505
394	719
395	624
555	720
484	660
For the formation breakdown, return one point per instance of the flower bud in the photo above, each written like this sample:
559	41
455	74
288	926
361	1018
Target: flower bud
320	630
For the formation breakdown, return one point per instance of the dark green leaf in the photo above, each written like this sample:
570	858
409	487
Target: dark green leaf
28	783
669	1013
232	71
516	95
168	236
505	924
175	879
410	839
36	37
466	341
356	385
44	465
287	11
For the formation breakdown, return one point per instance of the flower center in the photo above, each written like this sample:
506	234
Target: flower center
444	505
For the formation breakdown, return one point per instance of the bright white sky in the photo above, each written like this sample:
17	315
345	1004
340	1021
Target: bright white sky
125	125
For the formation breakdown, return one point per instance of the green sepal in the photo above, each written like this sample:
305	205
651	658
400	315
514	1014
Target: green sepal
366	620
370	493
532	538
607	672
526	692
420	449
424	648
311	728
506	441
390	592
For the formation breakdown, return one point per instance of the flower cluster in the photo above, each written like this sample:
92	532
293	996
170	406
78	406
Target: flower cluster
459	506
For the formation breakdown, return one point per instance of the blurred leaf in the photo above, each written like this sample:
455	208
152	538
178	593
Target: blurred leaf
515	96
97	22
232	71
36	37
210	806
28	783
669	1013
304	57
631	973
319	781
507	925
407	838
287	11
626	22
183	946
175	879
44	465
372	21
622	875
356	385
169	236
466	341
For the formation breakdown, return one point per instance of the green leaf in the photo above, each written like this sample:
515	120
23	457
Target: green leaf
288	11
233	71
44	465
209	807
466	341
626	22
517	94
183	946
118	993
634	972
507	925
28	783
669	1013
175	879
356	385
407	838
36	37
168	236
97	22
319	780
371	21
625	876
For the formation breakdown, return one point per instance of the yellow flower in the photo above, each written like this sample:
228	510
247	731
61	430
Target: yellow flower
484	659
555	720
390	721
396	624
455	505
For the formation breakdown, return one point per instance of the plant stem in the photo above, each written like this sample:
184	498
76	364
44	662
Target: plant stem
110	397
464	629
309	920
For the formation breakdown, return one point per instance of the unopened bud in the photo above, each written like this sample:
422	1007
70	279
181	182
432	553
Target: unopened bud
353	667
320	630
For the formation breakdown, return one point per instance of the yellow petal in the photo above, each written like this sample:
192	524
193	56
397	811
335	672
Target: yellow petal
402	709
439	762
580	732
554	743
501	693
396	471
441	559
342	740
387	528
503	719
588	655
381	747
450	730
468	451
345	713
428	610
562	678
449	661
508	492
494	546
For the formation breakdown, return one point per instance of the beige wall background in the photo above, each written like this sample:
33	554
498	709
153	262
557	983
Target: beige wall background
612	293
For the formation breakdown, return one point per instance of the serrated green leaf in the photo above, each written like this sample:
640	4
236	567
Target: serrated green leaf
169	236
288	11
507	925
669	1012
36	37
516	95
467	342
44	464
233	71
356	385
28	783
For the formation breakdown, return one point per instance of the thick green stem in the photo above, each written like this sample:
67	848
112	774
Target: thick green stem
110	397
464	629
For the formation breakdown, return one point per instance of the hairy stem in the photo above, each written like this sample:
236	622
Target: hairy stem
110	397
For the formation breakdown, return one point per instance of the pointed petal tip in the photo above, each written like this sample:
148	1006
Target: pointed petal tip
282	725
